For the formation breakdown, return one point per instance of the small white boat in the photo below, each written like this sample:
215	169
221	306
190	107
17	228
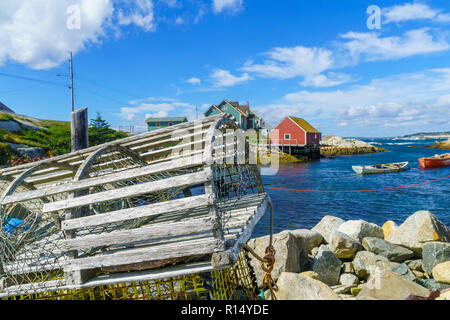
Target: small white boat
381	168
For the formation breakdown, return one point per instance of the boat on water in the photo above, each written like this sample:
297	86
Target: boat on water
437	161
381	168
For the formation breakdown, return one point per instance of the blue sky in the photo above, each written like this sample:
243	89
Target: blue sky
316	59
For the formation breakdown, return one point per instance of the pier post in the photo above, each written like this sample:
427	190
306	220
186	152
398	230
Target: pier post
79	129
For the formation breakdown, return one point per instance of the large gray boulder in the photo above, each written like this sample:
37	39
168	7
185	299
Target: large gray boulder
391	286
344	246
366	263
327	265
327	225
434	253
31	152
404	271
294	286
288	258
309	238
383	248
418	229
10	125
360	229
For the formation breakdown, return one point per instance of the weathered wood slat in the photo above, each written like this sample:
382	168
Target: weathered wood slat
148	254
137	212
230	256
126	192
98	181
141	234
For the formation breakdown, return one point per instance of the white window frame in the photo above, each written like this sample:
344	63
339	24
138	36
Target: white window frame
287	134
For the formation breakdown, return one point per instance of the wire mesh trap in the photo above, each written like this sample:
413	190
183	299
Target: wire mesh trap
145	217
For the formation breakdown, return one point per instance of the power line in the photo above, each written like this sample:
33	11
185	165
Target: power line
32	79
22	89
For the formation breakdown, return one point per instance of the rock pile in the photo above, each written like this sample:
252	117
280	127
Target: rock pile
359	260
335	146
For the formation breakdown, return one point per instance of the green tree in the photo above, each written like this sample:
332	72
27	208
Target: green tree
100	131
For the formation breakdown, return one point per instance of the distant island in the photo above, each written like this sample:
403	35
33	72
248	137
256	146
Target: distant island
426	135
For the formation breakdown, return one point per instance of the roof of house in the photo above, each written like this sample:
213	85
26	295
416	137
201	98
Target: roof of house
304	125
4	108
166	119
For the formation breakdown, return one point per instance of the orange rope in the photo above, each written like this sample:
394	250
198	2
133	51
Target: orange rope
368	190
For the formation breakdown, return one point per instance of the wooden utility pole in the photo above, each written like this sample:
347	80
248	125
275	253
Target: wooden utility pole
78	120
71	82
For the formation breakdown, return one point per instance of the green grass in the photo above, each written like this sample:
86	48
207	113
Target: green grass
55	138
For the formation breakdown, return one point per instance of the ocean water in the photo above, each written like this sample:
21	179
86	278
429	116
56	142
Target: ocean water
298	210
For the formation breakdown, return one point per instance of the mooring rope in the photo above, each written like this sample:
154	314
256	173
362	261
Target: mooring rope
354	191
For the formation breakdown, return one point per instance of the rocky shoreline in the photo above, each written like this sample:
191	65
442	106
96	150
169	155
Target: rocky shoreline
359	260
337	146
445	145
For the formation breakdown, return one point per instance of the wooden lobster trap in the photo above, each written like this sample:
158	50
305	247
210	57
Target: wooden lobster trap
164	204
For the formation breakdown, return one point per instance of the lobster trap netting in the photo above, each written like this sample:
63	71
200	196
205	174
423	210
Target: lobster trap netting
29	247
234	283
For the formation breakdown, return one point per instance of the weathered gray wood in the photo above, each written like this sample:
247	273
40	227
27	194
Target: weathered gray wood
79	129
137	212
230	256
140	234
148	254
126	192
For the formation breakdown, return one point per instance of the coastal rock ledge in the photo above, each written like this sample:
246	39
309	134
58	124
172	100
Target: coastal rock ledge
359	260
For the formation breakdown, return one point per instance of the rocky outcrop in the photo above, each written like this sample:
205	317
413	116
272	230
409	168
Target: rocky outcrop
441	272
289	256
389	227
434	253
327	266
298	287
404	271
344	246
327	226
418	229
348	279
383	248
360	229
379	269
308	238
391	286
336	146
10	125
366	263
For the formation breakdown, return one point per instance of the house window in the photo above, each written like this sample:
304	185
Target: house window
287	136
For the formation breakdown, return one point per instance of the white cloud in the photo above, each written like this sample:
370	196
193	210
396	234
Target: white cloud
179	20
139	13
330	80
413	11
406	100
223	78
231	5
194	81
290	62
371	47
43	40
